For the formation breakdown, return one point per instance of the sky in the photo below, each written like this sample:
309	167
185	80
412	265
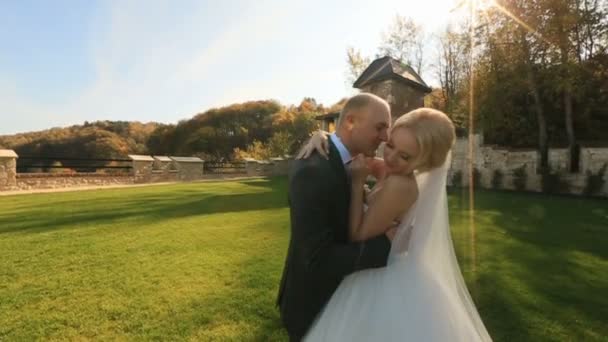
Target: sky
64	62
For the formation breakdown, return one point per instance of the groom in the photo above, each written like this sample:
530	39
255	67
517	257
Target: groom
320	254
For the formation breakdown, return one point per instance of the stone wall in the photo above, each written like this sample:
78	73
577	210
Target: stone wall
256	168
163	170
281	166
8	170
144	169
593	159
188	168
488	159
265	168
485	159
158	176
28	181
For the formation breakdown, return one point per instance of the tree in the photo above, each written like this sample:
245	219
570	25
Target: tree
453	71
356	64
257	150
521	49
215	133
337	107
159	142
404	41
309	105
521	77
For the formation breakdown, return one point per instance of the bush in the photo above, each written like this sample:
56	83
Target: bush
595	181
497	179
457	178
520	177
277	146
552	183
56	167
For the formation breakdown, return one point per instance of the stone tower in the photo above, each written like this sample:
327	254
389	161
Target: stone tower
395	82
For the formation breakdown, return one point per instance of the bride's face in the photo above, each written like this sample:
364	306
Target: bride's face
401	151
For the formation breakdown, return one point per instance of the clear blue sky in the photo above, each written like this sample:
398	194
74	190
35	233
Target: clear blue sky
63	62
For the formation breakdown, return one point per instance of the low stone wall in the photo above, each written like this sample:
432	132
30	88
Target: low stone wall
488	159
28	181
8	170
266	168
157	176
188	168
144	169
147	169
593	159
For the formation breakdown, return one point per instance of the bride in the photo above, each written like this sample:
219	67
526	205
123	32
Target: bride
420	295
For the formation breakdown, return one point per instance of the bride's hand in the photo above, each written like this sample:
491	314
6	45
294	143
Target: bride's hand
359	169
318	142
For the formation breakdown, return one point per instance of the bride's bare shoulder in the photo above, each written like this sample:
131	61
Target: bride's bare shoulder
404	185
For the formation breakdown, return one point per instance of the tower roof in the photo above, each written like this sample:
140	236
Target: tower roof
389	68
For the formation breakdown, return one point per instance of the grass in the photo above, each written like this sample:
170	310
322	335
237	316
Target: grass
541	264
202	261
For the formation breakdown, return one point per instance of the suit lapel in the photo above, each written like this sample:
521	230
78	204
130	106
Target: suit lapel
342	194
337	164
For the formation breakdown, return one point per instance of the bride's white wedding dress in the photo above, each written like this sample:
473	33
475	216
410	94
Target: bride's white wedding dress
419	296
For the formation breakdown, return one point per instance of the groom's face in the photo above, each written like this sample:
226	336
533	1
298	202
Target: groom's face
370	128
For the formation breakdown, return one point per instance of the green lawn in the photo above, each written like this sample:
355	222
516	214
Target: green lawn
202	261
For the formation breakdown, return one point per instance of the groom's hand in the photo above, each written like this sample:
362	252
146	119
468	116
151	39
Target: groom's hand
377	167
390	234
392	230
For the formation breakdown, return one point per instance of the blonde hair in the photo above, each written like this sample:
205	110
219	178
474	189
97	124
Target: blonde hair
434	132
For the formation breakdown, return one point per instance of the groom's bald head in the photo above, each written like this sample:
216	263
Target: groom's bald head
356	104
364	123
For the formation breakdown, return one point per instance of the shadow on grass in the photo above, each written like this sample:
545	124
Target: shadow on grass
559	222
499	310
94	208
542	289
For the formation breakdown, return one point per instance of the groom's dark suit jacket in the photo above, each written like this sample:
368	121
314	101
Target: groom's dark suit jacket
320	254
